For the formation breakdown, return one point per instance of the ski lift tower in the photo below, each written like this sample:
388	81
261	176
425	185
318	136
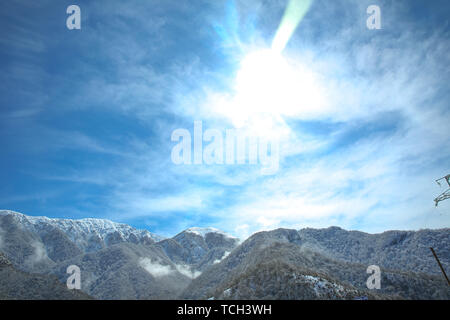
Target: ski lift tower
446	193
441	197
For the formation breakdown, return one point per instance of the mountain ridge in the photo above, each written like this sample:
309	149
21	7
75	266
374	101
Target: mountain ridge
120	262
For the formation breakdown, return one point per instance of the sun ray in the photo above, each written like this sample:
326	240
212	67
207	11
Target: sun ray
293	15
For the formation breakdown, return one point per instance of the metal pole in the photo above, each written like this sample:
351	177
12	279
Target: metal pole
440	265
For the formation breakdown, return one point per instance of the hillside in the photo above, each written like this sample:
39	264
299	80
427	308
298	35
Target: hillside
118	261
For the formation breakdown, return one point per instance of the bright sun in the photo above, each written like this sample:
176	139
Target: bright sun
267	87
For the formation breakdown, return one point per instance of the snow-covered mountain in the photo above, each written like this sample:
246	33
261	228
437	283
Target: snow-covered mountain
117	261
320	264
402	250
199	247
88	234
121	262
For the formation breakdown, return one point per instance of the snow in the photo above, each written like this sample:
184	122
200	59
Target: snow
227	293
226	254
320	284
81	227
204	231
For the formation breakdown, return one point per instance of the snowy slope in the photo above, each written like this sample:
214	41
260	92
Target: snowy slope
199	247
85	233
204	231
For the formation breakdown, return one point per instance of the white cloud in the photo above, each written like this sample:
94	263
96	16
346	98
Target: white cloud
188	271
155	268
375	183
39	254
226	254
242	231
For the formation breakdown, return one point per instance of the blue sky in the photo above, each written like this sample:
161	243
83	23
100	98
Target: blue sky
86	116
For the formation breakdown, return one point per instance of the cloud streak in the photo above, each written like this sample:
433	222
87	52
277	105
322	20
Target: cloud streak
366	158
157	269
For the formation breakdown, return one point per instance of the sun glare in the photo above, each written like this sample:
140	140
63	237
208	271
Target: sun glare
268	87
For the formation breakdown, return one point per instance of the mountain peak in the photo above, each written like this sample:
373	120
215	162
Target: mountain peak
79	230
204	231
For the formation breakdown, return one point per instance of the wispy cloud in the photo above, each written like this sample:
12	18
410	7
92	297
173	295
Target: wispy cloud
155	268
366	157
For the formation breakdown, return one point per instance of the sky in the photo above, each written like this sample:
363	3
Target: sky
360	116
